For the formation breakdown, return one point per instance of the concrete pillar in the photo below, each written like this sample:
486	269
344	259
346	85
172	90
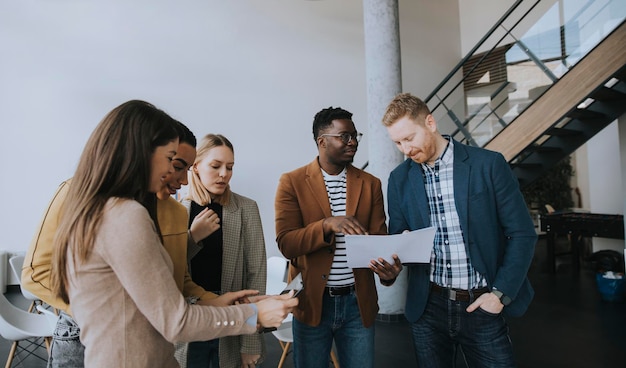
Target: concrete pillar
384	81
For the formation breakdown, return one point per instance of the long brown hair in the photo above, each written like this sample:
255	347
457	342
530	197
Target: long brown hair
115	163
197	192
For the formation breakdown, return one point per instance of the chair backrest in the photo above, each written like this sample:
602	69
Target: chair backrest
17	324
284	332
52	317
276	271
17	262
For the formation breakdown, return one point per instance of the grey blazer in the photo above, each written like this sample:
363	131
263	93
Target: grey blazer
244	266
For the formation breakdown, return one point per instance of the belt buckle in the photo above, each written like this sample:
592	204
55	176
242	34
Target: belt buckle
331	293
338	290
452	294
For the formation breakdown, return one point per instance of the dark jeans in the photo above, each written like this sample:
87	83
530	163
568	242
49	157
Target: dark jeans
445	326
341	321
203	354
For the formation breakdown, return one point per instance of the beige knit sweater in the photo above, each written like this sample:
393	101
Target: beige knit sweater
127	303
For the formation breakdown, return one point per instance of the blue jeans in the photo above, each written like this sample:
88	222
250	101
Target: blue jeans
66	351
203	354
445	325
341	321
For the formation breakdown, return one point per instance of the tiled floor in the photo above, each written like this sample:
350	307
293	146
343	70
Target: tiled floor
567	325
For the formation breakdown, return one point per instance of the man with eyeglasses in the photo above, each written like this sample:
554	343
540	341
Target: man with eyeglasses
316	206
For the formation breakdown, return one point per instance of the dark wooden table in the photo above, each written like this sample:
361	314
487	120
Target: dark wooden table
578	225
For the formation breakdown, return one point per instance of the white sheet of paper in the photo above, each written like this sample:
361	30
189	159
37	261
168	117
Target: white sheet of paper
411	247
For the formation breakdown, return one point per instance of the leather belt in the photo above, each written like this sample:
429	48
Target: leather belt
339	290
458	294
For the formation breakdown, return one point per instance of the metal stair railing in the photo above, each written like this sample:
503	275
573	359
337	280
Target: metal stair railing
529	49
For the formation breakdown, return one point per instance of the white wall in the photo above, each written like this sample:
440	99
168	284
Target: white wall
430	37
477	17
256	71
605	187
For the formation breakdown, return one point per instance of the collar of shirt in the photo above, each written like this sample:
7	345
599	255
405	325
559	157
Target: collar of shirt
446	158
338	176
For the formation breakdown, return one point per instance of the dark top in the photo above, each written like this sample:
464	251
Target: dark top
206	266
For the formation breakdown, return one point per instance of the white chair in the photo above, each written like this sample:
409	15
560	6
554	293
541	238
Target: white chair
276	275
276	282
18	325
51	316
17	263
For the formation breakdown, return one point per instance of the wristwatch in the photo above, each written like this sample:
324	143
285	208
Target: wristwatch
505	300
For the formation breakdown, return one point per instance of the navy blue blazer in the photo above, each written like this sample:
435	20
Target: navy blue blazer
495	221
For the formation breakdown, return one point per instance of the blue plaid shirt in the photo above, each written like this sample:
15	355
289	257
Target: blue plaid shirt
450	264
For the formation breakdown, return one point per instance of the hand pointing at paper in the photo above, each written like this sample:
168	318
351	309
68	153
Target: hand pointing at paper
347	225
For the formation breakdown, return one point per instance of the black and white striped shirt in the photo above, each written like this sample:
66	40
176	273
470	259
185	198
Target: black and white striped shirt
340	274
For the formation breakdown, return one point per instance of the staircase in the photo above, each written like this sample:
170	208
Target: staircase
534	106
582	103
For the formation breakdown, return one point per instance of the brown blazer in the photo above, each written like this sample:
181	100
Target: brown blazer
301	205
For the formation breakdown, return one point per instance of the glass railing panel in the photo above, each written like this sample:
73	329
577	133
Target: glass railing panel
484	125
499	35
450	119
502	105
587	23
528	81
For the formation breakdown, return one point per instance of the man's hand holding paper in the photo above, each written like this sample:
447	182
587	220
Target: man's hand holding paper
387	272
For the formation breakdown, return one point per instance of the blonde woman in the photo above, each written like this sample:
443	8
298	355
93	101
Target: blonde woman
231	258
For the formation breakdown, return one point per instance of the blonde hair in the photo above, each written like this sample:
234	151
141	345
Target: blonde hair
116	162
405	104
197	191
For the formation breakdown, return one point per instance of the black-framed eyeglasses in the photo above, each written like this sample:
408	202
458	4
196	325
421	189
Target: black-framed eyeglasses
346	138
